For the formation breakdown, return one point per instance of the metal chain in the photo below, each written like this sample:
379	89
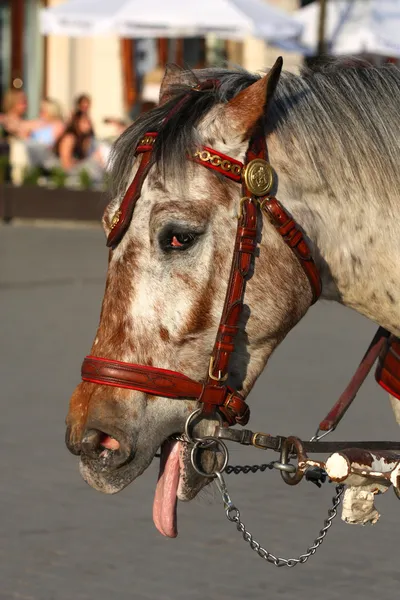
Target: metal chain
233	515
238	469
315	475
230	469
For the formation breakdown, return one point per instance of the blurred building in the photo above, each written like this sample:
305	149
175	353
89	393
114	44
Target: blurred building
120	75
22	49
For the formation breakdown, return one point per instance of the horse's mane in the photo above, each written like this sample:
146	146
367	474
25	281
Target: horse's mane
178	136
342	117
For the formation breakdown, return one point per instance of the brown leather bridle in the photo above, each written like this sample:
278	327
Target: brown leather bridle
256	178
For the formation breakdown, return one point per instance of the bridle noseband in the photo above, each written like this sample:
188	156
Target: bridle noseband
256	178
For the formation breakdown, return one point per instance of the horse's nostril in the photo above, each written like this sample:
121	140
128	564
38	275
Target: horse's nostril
103	446
91	443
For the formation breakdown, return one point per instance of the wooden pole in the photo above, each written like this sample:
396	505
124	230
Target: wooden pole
17	41
203	54
128	73
179	52
162	52
321	28
45	64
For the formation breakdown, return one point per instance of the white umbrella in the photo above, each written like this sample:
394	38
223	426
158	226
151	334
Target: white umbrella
353	27
226	19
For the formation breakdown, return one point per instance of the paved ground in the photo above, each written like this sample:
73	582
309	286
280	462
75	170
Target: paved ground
60	540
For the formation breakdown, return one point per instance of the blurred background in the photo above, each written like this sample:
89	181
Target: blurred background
73	76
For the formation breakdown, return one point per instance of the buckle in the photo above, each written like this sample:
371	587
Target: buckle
219	377
254	440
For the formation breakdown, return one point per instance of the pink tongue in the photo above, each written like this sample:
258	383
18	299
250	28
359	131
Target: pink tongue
165	500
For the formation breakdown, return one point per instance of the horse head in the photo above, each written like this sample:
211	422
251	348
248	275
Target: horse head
167	281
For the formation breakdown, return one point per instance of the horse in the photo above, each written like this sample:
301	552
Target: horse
332	137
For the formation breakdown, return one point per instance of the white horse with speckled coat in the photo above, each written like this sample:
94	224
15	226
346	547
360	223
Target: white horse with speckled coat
333	140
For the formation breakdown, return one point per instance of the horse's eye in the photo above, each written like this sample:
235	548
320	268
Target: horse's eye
177	240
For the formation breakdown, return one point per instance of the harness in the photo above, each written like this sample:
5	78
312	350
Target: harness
256	178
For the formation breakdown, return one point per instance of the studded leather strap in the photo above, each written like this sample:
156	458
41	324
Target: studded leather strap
243	254
122	218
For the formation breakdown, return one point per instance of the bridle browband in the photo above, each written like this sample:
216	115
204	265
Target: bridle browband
256	178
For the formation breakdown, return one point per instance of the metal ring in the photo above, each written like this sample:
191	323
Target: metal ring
226	165
205	155
288	468
192	416
215	160
219	444
297	476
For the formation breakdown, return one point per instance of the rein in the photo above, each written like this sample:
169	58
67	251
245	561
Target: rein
256	178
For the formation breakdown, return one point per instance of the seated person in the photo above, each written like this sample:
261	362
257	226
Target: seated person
14	108
83	103
49	126
76	148
41	134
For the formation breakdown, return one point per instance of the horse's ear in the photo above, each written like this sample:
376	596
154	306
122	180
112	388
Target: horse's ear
250	104
175	78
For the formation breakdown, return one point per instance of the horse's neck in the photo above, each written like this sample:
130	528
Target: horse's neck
356	246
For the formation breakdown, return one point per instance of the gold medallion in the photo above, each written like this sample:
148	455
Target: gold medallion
259	177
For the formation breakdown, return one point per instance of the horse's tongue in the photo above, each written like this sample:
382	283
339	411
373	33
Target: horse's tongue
165	500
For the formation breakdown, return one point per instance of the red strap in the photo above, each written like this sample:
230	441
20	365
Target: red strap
146	144
122	218
341	406
217	161
294	238
165	383
388	370
245	247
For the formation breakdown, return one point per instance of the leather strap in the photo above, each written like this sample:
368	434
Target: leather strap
243	253
294	238
217	161
165	383
339	409
123	216
264	441
245	247
388	369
